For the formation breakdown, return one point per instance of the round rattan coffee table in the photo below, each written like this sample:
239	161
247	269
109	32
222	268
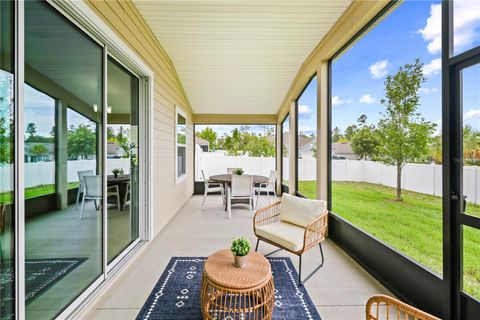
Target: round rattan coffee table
229	292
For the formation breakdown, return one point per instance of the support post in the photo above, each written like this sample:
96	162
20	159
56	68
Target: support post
292	156
61	156
322	131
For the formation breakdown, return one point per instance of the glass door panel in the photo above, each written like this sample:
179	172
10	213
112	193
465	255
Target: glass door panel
63	161
7	139
122	159
470	94
470	215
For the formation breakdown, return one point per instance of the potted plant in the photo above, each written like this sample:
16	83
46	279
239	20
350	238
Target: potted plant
116	172
238	171
240	249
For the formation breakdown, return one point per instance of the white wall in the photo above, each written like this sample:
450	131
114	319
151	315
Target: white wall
423	178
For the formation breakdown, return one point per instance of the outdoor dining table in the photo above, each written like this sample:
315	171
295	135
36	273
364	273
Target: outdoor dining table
121	181
226	179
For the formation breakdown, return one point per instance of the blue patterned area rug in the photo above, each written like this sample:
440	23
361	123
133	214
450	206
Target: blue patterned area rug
41	274
177	294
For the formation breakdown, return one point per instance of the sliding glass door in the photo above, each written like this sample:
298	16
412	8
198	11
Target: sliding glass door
63	95
122	158
70	130
7	138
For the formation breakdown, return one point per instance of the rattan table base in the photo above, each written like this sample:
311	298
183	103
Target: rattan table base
232	293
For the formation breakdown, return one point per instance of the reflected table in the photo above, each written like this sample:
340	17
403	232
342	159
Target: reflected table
122	182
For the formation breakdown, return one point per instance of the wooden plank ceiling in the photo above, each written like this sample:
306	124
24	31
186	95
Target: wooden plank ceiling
239	57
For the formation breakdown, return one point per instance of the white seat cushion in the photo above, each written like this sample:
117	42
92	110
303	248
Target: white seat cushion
285	234
300	211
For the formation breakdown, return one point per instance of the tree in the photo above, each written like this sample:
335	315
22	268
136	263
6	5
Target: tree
350	131
259	146
31	131
336	134
404	135
39	150
111	134
471	145
209	135
364	141
81	141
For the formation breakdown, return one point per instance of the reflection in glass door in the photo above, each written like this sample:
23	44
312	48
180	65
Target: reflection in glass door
470	215
122	158
63	161
7	139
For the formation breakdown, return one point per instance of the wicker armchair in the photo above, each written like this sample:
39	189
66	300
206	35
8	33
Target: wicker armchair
299	238
384	307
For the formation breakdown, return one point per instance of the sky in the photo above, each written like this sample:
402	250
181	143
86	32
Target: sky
413	30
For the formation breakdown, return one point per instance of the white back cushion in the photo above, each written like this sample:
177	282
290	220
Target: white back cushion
300	211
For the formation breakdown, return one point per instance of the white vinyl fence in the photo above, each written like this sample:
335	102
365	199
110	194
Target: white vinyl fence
423	178
43	173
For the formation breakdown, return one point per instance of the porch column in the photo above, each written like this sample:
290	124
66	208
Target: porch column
292	157
322	131
61	156
278	159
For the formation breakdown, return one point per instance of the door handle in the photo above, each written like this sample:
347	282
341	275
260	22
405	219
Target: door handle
464	208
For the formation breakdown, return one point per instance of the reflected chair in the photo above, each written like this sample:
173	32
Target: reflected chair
211	187
81	185
241	189
384	307
294	224
127	195
268	187
93	191
232	170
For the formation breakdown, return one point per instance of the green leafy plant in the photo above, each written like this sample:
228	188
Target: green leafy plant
240	247
238	171
116	171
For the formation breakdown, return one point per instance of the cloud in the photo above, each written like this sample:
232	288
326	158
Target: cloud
472	113
304	109
428	90
336	101
367	99
433	67
467	18
379	69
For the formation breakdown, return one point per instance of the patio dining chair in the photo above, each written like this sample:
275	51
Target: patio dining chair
241	189
93	191
211	187
294	224
268	187
81	185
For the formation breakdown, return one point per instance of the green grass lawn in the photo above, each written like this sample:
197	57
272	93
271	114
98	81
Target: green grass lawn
32	192
413	226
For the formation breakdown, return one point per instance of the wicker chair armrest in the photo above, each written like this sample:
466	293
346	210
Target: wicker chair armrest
381	305
267	215
316	230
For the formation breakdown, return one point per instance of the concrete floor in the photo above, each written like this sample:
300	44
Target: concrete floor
339	290
61	234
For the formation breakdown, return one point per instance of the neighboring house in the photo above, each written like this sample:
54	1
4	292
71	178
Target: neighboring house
114	151
343	150
306	145
32	156
203	144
